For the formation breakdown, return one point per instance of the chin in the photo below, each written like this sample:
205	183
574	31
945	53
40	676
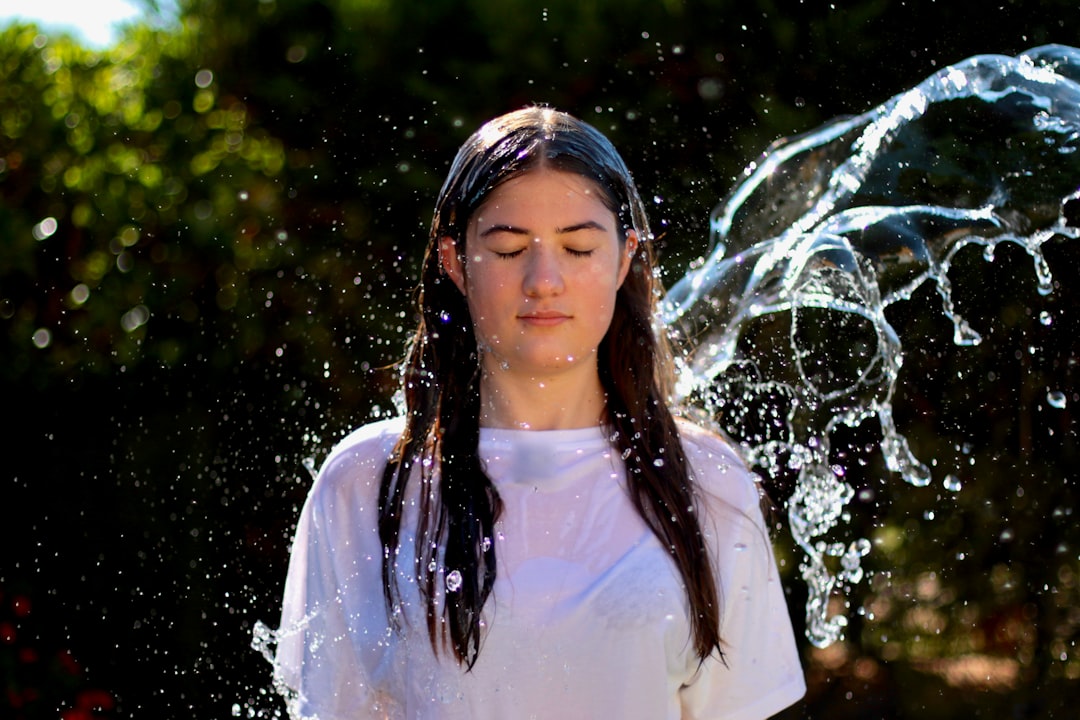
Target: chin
558	362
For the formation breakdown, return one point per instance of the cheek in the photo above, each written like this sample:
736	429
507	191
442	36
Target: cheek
484	295
603	302
483	286
604	286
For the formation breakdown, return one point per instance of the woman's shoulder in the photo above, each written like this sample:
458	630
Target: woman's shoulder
377	438
357	460
718	467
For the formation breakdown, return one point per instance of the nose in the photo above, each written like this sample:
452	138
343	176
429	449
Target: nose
543	274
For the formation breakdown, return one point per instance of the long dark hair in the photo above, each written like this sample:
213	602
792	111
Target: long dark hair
458	503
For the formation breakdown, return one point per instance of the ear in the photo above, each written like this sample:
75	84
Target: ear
628	251
451	262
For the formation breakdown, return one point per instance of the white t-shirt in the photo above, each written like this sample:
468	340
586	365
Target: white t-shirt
588	617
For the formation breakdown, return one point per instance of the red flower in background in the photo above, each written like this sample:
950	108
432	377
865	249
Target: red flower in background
67	662
35	689
21	605
95	700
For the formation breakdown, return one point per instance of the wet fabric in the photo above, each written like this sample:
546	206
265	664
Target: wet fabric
588	617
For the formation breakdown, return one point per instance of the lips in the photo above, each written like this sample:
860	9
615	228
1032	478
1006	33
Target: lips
543	318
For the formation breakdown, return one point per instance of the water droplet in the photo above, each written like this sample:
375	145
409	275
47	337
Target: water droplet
1057	399
485	545
1045	318
431	566
135	318
45	228
80	294
952	483
453	581
658	462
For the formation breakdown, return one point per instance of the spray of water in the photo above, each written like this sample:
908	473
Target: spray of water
829	229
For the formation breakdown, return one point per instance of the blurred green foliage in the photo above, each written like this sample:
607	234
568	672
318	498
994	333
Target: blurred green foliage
116	179
208	242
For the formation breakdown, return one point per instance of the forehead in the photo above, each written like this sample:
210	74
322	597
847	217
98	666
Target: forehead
544	192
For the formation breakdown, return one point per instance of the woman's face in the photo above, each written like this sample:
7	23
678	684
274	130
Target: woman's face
543	263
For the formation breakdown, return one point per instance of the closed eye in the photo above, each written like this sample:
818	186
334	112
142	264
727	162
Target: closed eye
508	255
589	227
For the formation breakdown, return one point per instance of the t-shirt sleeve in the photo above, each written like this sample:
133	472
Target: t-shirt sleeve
331	647
760	673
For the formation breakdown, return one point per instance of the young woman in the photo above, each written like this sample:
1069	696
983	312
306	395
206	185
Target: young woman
537	536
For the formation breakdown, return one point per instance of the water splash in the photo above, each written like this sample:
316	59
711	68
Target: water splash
264	640
829	229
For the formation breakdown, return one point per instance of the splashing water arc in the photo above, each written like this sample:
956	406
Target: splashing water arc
829	229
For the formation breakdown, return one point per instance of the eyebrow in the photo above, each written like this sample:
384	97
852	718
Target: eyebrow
587	225
504	229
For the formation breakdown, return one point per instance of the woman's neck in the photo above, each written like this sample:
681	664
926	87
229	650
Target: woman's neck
557	402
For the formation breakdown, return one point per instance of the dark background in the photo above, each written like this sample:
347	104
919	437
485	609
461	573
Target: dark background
241	196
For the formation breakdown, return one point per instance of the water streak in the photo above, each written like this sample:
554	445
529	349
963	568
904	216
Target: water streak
829	229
